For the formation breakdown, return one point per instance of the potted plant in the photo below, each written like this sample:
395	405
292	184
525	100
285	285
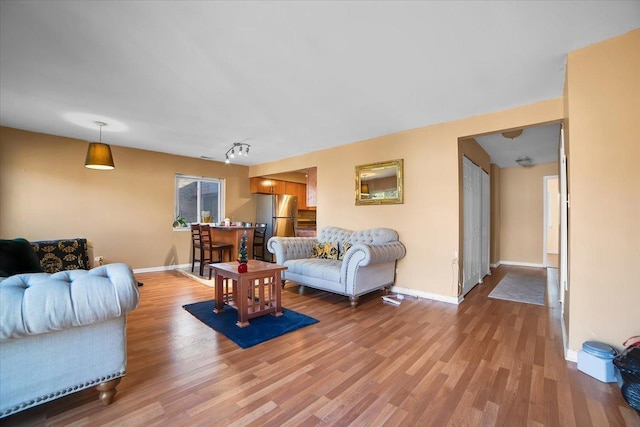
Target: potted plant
179	222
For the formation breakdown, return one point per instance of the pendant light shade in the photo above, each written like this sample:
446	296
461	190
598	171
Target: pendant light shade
99	157
99	154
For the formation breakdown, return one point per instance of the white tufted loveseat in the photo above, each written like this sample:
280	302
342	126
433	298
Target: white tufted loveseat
63	332
368	265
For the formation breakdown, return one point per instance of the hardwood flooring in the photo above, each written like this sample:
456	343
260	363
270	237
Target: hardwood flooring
485	362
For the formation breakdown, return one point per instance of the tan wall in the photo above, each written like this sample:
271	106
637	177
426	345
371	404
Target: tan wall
428	220
47	193
522	213
604	236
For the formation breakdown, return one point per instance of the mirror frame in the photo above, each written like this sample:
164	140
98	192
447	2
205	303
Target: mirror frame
398	164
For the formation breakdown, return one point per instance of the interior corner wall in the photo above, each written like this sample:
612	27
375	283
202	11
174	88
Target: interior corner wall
127	213
603	90
522	213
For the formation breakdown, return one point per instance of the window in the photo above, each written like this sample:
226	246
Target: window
197	194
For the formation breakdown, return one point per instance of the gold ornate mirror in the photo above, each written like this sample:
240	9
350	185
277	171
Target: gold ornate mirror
379	183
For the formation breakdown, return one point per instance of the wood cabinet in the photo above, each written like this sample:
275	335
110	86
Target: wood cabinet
300	190
258	185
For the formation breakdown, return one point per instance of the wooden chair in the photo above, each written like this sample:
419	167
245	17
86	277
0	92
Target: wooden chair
196	246
259	241
210	247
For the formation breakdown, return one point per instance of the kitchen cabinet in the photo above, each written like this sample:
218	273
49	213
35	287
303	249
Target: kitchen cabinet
258	185
300	190
311	190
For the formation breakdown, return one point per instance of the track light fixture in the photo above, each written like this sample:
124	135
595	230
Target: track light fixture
231	152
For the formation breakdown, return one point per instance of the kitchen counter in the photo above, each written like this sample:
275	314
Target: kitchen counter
233	236
306	231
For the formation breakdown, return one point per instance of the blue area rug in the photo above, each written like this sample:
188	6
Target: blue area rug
262	328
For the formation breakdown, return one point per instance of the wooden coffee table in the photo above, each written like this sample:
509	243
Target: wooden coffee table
254	293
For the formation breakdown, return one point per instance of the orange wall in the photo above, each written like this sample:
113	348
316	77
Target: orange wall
603	91
522	213
428	220
47	193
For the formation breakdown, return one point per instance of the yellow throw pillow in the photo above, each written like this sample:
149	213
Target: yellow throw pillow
344	247
326	250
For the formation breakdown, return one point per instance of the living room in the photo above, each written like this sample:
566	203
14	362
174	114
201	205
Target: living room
46	193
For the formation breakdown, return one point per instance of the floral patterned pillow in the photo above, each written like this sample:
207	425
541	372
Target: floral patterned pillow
325	250
344	247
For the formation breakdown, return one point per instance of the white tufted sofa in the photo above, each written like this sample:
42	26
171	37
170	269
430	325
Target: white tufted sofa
63	332
367	266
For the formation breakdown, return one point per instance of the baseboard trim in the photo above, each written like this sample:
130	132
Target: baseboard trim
522	264
496	265
569	354
427	295
161	268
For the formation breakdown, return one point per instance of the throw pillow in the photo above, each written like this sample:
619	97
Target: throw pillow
325	250
344	247
17	256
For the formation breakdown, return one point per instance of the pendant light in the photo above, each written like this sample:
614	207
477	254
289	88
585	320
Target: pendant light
99	154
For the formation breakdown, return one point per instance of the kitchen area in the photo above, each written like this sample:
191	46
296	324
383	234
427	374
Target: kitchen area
287	203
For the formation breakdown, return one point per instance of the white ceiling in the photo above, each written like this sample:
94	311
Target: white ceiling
192	77
540	143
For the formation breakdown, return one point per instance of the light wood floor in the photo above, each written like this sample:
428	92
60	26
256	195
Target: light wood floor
485	362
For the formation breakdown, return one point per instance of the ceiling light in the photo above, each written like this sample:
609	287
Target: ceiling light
99	154
237	145
511	134
524	161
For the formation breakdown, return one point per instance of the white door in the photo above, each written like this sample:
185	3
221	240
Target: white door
564	215
472	223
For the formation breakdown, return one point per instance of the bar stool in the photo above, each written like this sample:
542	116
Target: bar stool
196	243
210	247
258	241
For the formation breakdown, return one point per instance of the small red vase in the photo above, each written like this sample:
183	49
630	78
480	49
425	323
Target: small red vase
242	268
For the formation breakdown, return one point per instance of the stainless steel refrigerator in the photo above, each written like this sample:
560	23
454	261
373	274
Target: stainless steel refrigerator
280	213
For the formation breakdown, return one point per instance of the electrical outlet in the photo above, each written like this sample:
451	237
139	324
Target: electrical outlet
99	260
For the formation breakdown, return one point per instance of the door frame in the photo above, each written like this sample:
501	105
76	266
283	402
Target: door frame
546	208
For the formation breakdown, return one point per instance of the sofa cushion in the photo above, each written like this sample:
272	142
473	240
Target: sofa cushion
327	269
38	303
17	256
372	236
324	250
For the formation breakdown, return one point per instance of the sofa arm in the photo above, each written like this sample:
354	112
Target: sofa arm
363	254
286	248
38	303
364	264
